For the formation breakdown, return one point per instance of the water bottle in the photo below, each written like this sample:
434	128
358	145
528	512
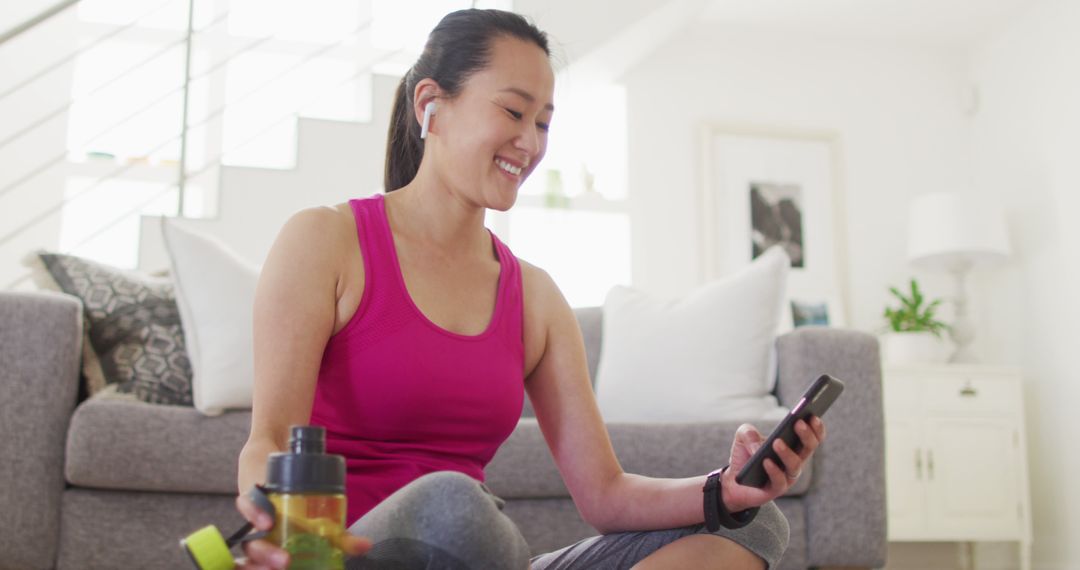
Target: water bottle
305	494
307	489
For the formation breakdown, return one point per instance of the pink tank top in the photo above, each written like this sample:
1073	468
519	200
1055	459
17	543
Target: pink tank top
401	397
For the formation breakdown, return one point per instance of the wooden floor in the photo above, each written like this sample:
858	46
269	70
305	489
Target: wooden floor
951	556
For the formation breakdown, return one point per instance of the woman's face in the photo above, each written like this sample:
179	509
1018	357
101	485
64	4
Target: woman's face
491	136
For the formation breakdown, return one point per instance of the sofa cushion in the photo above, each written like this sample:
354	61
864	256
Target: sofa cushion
178	449
524	469
122	443
106	530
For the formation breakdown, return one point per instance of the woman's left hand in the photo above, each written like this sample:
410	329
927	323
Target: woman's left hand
747	441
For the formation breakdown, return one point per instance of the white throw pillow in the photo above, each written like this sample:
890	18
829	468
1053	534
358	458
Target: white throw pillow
215	292
704	357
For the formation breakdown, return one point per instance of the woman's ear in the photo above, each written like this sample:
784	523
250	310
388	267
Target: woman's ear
425	104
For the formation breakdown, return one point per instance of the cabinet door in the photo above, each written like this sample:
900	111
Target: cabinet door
971	472
905	469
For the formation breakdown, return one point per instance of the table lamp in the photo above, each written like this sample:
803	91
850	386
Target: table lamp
954	233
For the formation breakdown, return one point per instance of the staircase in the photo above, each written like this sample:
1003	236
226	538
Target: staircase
44	186
246	207
336	161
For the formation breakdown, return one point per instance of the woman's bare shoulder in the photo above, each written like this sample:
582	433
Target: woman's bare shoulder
319	227
548	317
323	220
543	299
538	284
313	240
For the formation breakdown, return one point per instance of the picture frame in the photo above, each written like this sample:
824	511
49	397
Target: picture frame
765	186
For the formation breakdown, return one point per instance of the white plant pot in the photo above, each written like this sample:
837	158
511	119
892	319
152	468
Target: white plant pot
914	348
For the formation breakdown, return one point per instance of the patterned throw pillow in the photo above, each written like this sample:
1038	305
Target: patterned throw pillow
93	379
134	327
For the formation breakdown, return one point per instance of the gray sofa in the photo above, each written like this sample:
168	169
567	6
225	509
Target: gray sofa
114	483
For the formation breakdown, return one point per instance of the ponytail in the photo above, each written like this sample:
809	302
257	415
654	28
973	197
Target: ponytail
459	46
404	148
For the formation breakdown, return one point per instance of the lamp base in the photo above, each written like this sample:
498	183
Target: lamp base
963	355
962	331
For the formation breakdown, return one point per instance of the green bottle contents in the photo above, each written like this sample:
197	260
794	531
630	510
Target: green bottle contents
307	488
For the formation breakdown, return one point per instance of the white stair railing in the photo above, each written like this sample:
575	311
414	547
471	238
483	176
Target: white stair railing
218	159
105	225
35	21
42	18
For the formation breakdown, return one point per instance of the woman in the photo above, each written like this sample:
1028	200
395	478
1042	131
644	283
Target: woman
409	331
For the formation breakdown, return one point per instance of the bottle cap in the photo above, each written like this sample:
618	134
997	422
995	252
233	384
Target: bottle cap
208	549
306	467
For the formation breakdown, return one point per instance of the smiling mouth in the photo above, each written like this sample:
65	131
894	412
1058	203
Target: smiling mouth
508	168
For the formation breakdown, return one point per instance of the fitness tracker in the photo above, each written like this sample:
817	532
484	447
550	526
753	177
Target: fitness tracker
716	513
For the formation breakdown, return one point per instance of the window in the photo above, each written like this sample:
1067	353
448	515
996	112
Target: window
572	218
585	252
128	116
100	223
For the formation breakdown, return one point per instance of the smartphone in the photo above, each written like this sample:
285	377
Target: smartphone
817	398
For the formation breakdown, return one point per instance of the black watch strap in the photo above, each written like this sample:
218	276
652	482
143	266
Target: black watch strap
716	513
711	499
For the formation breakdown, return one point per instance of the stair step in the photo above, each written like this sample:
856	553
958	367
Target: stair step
336	161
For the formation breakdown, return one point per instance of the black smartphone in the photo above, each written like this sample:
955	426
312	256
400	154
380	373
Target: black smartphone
817	398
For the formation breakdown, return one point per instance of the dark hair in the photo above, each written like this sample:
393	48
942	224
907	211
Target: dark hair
458	47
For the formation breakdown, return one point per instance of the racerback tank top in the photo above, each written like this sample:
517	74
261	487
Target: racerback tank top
400	396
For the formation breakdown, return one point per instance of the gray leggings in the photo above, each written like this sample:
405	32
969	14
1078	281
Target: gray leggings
449	521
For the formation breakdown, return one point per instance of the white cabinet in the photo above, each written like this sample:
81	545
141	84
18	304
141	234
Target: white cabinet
956	461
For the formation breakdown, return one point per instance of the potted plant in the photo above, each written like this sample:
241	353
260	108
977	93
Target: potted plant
914	333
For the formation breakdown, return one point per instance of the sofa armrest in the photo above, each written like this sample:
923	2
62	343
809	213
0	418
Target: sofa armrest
845	506
40	345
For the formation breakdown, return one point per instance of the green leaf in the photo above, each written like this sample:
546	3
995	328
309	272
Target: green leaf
912	315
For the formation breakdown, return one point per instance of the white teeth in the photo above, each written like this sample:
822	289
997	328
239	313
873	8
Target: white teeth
508	167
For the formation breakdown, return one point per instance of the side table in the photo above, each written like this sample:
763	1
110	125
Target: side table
956	456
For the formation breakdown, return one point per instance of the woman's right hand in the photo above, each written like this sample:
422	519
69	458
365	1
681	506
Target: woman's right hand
261	554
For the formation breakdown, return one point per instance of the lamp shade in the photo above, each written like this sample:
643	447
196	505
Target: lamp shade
953	233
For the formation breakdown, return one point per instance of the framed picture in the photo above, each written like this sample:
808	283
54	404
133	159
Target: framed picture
766	187
806	314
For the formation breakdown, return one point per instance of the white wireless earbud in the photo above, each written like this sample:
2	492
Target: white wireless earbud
429	110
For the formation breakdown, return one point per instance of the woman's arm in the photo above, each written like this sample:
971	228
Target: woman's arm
294	316
558	385
608	498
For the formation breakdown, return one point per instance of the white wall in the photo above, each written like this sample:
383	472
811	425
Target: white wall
1026	152
20	59
902	116
897	112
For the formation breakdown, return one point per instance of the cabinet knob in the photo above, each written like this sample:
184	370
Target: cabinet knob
968	391
918	463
